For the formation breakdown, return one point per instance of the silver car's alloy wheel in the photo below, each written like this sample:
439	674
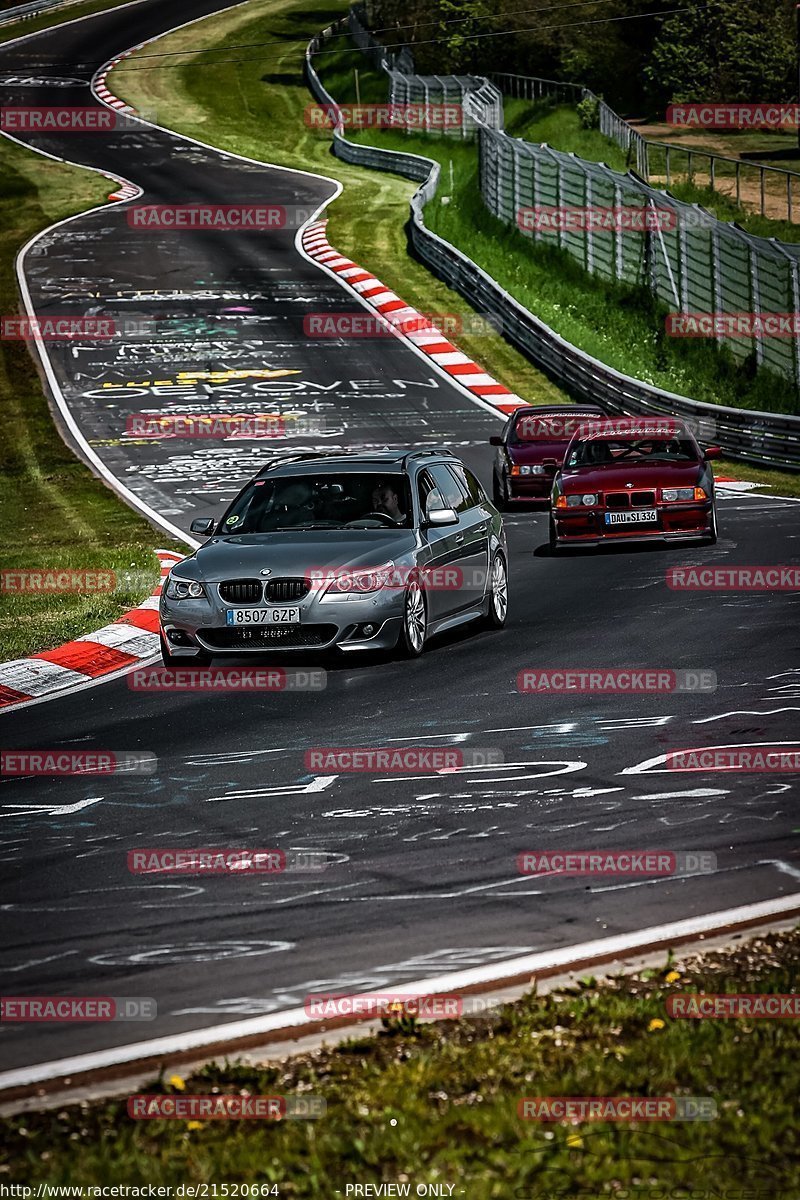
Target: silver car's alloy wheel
499	586
415	620
497	607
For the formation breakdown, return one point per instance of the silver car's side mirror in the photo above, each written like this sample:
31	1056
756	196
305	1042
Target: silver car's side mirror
441	516
203	526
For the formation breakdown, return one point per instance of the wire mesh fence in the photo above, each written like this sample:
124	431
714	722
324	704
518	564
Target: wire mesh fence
685	259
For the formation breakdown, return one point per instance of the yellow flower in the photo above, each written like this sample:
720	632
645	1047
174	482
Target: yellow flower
176	1082
194	1124
656	1023
672	977
575	1140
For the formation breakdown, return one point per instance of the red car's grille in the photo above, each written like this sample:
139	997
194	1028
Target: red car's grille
630	499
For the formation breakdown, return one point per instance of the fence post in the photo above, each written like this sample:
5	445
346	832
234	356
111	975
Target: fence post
587	199
619	262
756	294
795	269
715	275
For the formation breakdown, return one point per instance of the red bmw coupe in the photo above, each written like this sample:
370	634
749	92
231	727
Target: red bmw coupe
633	479
531	448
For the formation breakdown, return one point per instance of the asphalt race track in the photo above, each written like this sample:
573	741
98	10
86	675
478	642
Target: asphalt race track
422	873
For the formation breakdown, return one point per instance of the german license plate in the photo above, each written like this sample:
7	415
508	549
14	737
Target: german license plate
262	616
636	516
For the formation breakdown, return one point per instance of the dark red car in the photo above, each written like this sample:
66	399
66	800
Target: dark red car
633	479
531	448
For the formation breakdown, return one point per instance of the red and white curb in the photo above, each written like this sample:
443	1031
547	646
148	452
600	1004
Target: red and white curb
430	340
128	191
130	639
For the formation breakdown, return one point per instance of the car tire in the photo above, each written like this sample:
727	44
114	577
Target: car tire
711	540
203	659
497	609
553	537
414	629
498	495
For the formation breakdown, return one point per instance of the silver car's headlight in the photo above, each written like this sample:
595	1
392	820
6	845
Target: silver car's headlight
360	582
183	589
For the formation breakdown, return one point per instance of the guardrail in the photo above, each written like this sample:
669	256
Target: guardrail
23	12
764	438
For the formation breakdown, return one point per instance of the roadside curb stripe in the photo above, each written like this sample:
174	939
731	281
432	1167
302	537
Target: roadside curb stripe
234	1036
132	637
430	340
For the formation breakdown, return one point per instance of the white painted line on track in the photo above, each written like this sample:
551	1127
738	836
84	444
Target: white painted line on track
297	1022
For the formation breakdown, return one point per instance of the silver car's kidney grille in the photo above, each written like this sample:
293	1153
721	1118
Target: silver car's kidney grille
242	591
278	590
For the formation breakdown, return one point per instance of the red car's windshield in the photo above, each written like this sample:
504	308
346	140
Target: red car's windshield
598	452
529	427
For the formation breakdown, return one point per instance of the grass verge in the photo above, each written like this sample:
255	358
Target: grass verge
427	1103
618	326
56	515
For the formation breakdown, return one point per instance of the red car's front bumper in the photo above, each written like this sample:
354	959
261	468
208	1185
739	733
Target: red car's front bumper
519	488
674	522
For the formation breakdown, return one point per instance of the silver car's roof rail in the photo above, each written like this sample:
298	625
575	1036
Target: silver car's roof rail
434	451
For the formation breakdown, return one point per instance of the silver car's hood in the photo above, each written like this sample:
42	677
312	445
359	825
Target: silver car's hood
295	552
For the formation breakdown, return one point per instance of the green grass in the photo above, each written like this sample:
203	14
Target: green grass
55	513
561	128
437	1103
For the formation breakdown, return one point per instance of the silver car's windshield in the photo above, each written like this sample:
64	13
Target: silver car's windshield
351	500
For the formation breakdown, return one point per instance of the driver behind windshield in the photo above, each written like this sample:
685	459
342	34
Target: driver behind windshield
293	505
386	501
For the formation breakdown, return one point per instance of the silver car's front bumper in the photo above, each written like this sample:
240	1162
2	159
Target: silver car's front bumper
350	622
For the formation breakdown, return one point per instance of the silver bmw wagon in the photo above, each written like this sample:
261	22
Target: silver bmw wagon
363	551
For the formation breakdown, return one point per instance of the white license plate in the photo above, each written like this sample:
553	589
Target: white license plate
633	517
262	616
